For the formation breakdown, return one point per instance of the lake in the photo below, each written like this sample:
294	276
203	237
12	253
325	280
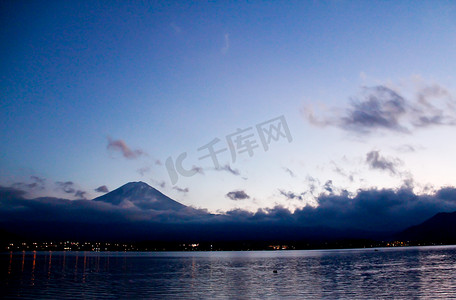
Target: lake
409	272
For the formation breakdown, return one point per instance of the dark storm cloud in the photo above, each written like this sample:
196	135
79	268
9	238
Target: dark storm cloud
372	209
447	193
382	108
375	209
11	192
376	161
382	210
181	190
237	195
102	189
121	146
46	209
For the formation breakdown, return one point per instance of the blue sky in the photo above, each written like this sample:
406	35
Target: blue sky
83	83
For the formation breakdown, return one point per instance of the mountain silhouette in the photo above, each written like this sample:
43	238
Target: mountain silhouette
141	195
439	228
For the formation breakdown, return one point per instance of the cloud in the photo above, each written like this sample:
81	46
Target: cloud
146	169
80	194
312	183
291	195
181	190
237	195
329	187
102	189
426	113
48	210
198	170
341	172
143	170
37	183
375	161
406	148
369	210
384	209
384	108
121	146
447	193
176	28
67	186
161	184
380	107
380	210
11	193
227	168
290	172
226	46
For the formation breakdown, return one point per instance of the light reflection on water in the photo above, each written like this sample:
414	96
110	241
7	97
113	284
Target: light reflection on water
415	272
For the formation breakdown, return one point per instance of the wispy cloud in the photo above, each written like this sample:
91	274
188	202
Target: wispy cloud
102	189
291	195
226	45
289	172
198	170
237	195
342	172
69	187
37	184
312	184
329	187
181	190
175	27
161	184
376	161
384	108
143	170
66	186
121	146
227	168
80	194
407	148
148	167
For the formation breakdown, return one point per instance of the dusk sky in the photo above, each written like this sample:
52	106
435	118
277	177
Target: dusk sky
95	95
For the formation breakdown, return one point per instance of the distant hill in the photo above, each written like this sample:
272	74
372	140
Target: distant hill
439	228
141	195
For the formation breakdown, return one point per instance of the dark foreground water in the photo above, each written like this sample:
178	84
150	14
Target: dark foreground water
415	272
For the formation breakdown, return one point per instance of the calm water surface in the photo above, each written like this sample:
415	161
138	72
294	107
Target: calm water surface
415	272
